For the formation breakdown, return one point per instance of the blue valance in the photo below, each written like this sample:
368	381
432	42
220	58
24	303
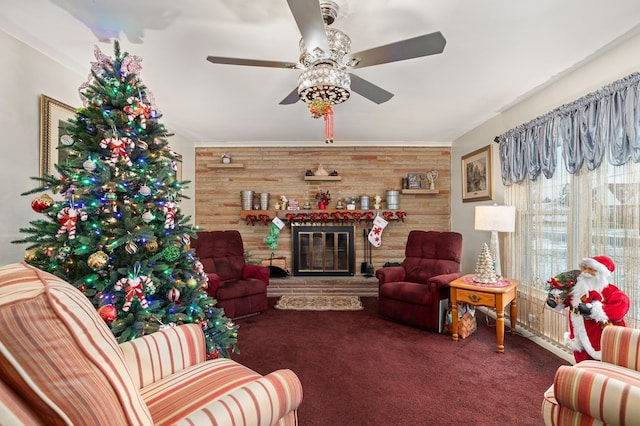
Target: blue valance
604	122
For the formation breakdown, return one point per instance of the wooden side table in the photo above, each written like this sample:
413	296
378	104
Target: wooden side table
464	290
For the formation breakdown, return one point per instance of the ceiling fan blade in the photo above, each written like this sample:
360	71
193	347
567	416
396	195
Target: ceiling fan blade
310	23
291	98
251	62
424	45
369	90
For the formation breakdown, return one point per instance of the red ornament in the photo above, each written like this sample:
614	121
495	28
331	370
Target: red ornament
173	294
108	313
42	203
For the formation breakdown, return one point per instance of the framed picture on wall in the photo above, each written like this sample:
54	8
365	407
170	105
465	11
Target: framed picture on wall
54	116
477	179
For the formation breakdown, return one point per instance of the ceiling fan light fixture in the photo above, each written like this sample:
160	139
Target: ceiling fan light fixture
326	83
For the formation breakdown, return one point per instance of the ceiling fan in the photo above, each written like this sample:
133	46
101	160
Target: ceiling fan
326	60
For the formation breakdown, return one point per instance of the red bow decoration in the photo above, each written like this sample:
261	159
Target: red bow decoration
302	217
250	219
356	216
320	108
369	215
336	215
401	215
324	217
263	218
290	217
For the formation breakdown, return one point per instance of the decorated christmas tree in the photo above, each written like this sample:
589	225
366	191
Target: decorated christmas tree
112	225
485	272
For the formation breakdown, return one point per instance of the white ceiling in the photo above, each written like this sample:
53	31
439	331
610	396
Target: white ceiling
497	53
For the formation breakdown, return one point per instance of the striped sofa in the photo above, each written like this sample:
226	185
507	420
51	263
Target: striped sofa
60	364
599	392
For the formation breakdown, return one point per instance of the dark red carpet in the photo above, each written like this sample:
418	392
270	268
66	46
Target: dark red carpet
359	369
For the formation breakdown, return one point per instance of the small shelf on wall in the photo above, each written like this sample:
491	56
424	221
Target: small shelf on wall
420	191
322	178
225	166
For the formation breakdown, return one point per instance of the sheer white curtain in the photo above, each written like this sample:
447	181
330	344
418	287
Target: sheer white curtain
571	203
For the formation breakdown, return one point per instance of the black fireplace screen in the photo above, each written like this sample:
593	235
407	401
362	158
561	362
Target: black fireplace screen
323	250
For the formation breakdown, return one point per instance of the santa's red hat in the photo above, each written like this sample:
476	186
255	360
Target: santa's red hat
602	264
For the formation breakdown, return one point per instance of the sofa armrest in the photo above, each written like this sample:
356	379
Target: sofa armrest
263	401
158	355
214	283
390	274
621	346
259	272
605	392
443	280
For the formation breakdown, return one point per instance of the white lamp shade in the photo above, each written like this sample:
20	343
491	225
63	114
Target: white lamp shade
495	218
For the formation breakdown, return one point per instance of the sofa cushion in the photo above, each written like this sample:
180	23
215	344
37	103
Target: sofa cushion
204	382
59	355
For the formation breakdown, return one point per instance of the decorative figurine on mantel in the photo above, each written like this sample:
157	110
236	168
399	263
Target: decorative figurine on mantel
431	178
225	158
321	171
377	201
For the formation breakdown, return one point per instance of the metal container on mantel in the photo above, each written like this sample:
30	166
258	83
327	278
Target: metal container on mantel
393	200
246	200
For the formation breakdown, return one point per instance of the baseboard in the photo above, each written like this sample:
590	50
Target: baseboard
550	346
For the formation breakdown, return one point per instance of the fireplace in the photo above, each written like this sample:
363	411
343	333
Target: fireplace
323	250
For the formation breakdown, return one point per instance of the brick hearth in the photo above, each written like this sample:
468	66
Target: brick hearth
357	286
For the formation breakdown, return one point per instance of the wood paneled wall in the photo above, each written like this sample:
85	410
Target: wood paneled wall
280	171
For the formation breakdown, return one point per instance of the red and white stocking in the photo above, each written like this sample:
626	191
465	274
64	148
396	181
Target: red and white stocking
375	236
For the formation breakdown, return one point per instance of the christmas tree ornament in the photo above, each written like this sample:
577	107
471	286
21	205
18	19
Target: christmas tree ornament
192	283
64	252
30	255
108	313
375	235
98	260
145	191
147	216
274	232
67	218
89	165
169	209
485	270
66	140
173	294
151	245
171	253
131	247
41	203
186	241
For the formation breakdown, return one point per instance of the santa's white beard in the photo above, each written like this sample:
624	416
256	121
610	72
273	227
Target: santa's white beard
586	283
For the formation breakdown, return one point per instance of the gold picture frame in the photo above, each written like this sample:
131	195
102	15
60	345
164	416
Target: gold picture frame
477	175
54	116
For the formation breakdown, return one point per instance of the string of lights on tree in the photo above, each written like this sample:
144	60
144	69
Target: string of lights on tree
113	227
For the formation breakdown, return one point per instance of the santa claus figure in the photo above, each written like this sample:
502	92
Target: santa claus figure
593	304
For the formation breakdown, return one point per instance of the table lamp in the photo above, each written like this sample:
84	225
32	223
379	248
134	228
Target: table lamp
496	219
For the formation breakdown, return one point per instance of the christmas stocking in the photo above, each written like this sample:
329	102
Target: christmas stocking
375	236
272	238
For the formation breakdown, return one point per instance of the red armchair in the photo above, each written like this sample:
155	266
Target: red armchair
239	288
411	293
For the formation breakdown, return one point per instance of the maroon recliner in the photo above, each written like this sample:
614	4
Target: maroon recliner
411	293
239	288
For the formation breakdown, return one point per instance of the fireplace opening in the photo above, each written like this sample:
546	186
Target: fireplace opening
323	250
